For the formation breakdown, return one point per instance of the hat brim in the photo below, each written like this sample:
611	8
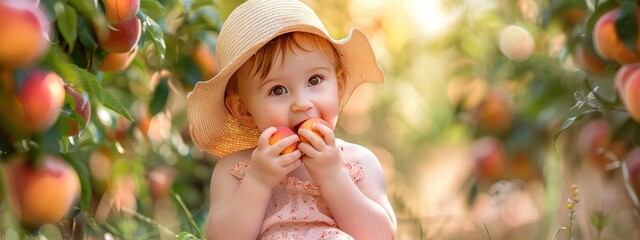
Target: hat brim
214	130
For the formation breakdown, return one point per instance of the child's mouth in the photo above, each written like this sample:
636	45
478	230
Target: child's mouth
296	127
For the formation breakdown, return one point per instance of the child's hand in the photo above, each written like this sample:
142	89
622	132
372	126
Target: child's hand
322	157
267	165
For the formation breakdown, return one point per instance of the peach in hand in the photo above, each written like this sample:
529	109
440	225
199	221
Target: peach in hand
308	124
283	132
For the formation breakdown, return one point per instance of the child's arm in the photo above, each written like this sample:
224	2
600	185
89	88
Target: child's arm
237	208
362	210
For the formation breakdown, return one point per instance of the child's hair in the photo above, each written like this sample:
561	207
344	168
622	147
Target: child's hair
262	62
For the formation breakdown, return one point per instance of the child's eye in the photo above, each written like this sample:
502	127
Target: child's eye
278	90
315	80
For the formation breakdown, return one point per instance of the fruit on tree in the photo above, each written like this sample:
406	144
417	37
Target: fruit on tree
494	114
516	43
632	160
283	132
160	181
82	108
36	105
571	18
116	62
607	43
123	38
118	11
623	75
630	96
41	194
100	169
587	59
123	192
308	124
205	60
490	158
23	35
595	139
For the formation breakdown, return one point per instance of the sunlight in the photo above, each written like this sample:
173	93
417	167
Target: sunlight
431	16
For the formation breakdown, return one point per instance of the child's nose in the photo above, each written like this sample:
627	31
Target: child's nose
301	103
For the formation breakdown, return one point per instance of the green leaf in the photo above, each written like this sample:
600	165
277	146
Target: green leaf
68	25
153	9
86	35
185	236
569	122
627	24
160	96
208	15
154	31
85	181
89	10
90	84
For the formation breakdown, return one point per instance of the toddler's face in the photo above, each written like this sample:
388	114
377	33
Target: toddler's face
304	86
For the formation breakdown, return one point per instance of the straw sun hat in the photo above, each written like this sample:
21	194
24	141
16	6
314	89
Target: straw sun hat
249	27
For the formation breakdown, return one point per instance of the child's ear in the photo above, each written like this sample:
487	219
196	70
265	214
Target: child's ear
239	111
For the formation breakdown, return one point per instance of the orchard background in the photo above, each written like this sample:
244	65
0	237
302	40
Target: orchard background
498	119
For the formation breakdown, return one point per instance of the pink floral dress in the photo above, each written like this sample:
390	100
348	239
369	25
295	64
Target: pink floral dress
296	210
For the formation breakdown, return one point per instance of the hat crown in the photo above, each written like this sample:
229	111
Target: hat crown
242	34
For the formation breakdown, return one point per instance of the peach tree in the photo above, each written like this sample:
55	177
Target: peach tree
92	118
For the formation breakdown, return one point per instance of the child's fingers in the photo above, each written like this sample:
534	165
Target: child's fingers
293	165
307	149
315	140
289	158
284	143
327	133
263	140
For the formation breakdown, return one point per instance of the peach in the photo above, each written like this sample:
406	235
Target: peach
123	192
633	164
23	33
283	132
630	96
308	124
494	113
82	107
118	11
116	62
607	43
571	18
490	158
516	43
206	61
36	106
594	136
622	76
588	60
44	194
101	169
160	181
123	39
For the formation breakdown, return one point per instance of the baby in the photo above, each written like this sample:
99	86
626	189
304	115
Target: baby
281	68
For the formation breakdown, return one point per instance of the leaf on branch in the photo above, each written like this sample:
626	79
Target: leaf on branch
68	25
154	31
90	84
568	123
591	98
